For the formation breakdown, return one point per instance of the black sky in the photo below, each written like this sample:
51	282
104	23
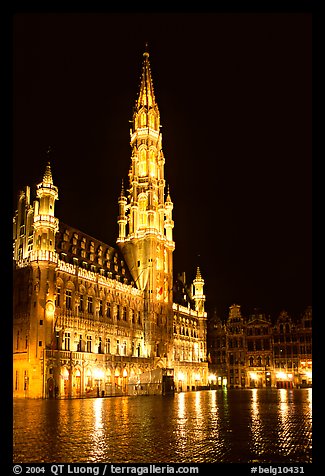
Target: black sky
234	92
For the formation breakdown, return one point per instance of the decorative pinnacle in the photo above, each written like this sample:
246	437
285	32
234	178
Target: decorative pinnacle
122	189
47	178
146	52
168	199
198	276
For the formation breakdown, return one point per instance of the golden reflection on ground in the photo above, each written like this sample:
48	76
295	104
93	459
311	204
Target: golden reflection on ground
98	433
198	406
217	426
283	405
258	442
310	398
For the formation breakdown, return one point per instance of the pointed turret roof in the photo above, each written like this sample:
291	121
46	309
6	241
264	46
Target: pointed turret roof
146	95
47	178
122	194
198	274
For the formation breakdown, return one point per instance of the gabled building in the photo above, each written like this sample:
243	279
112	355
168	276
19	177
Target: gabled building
253	352
96	319
259	354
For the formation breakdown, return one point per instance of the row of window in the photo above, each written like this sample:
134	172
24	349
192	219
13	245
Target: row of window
185	331
64	342
87	304
258	361
261	343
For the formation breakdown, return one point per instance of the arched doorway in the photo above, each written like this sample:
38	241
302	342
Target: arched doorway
50	387
65	382
77	383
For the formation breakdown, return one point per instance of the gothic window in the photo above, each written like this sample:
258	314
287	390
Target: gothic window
58	297
79	345
142	162
81	303
90	305
152	163
67	341
143	119
88	343
143	208
99	345
152	122
108	346
68	299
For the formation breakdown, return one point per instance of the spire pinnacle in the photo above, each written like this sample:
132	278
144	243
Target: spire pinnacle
146	95
168	199
146	50
47	178
122	189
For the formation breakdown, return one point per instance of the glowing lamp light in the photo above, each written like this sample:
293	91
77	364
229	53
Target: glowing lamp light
253	375
212	377
281	375
98	374
180	376
309	374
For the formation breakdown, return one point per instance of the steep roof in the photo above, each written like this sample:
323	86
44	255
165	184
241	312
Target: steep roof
76	247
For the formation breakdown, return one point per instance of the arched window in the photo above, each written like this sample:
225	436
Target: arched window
143	208
152	122
152	163
142	162
143	119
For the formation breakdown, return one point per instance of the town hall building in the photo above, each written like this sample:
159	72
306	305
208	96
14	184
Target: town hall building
94	319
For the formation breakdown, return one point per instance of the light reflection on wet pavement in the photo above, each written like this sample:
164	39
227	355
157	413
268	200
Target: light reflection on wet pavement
211	426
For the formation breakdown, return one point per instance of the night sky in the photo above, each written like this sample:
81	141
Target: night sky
234	94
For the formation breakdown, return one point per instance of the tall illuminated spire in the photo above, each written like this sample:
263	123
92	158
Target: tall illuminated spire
145	217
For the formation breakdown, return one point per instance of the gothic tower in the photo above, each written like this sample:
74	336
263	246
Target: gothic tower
35	228
145	219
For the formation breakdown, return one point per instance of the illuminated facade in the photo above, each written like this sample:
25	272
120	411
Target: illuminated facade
255	353
92	319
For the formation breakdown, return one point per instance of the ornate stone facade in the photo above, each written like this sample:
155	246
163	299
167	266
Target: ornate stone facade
93	319
255	352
